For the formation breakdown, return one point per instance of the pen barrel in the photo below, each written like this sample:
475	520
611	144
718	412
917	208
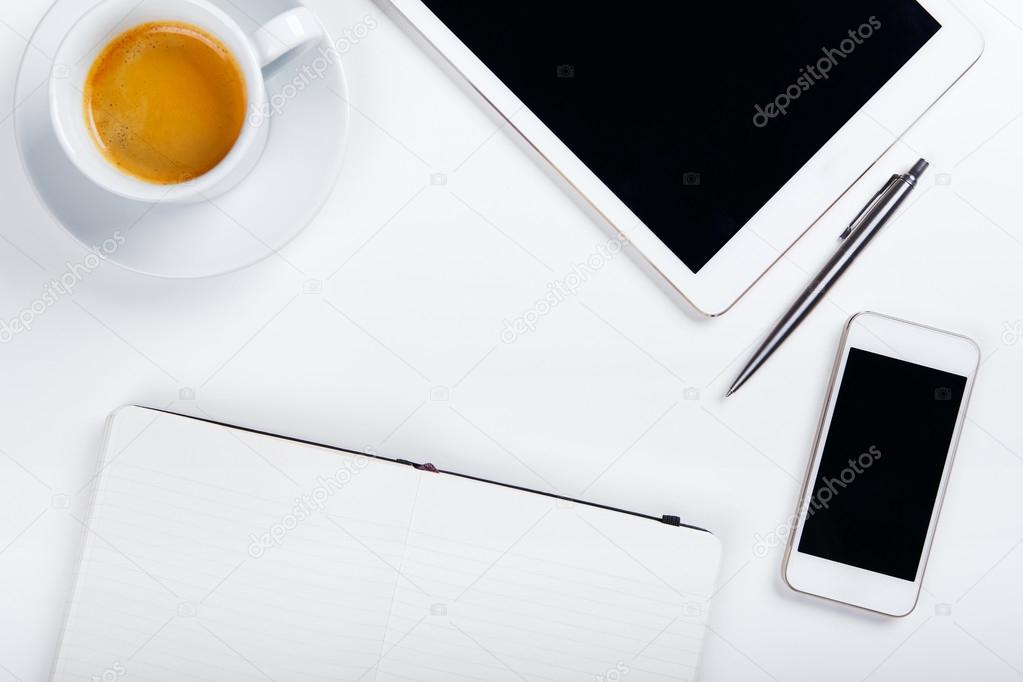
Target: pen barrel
870	223
864	231
861	232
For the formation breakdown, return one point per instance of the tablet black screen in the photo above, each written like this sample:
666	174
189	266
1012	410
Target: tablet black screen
677	106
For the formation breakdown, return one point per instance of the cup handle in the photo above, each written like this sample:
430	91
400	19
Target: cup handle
286	33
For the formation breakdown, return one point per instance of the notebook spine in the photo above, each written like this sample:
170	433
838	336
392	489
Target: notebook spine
670	520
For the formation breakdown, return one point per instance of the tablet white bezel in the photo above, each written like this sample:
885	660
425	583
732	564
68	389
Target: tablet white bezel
901	340
802	200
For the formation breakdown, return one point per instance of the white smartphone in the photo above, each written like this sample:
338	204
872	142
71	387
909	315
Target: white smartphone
881	462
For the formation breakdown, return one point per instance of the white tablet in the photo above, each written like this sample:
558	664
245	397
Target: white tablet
712	135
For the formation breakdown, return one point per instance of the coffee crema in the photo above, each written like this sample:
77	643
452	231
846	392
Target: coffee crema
165	102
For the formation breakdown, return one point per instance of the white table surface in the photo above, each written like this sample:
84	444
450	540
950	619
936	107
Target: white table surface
400	351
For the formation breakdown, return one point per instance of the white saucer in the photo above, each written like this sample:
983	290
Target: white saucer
252	221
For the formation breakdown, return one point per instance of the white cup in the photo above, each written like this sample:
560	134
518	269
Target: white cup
282	37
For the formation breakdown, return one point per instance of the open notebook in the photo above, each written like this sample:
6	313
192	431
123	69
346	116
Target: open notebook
221	554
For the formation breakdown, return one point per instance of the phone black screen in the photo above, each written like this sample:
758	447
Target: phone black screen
677	106
881	468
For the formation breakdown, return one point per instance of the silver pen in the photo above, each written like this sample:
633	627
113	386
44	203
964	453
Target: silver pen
855	238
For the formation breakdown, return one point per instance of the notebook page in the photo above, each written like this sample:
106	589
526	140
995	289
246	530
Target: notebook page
510	585
217	554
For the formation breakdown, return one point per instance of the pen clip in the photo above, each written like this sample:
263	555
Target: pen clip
870	204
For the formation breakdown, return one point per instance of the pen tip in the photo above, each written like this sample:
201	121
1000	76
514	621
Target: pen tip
732	390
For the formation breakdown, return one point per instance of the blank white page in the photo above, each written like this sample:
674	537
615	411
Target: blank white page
511	585
175	583
217	554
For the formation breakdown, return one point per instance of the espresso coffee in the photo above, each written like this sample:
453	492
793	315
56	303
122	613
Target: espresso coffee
165	102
